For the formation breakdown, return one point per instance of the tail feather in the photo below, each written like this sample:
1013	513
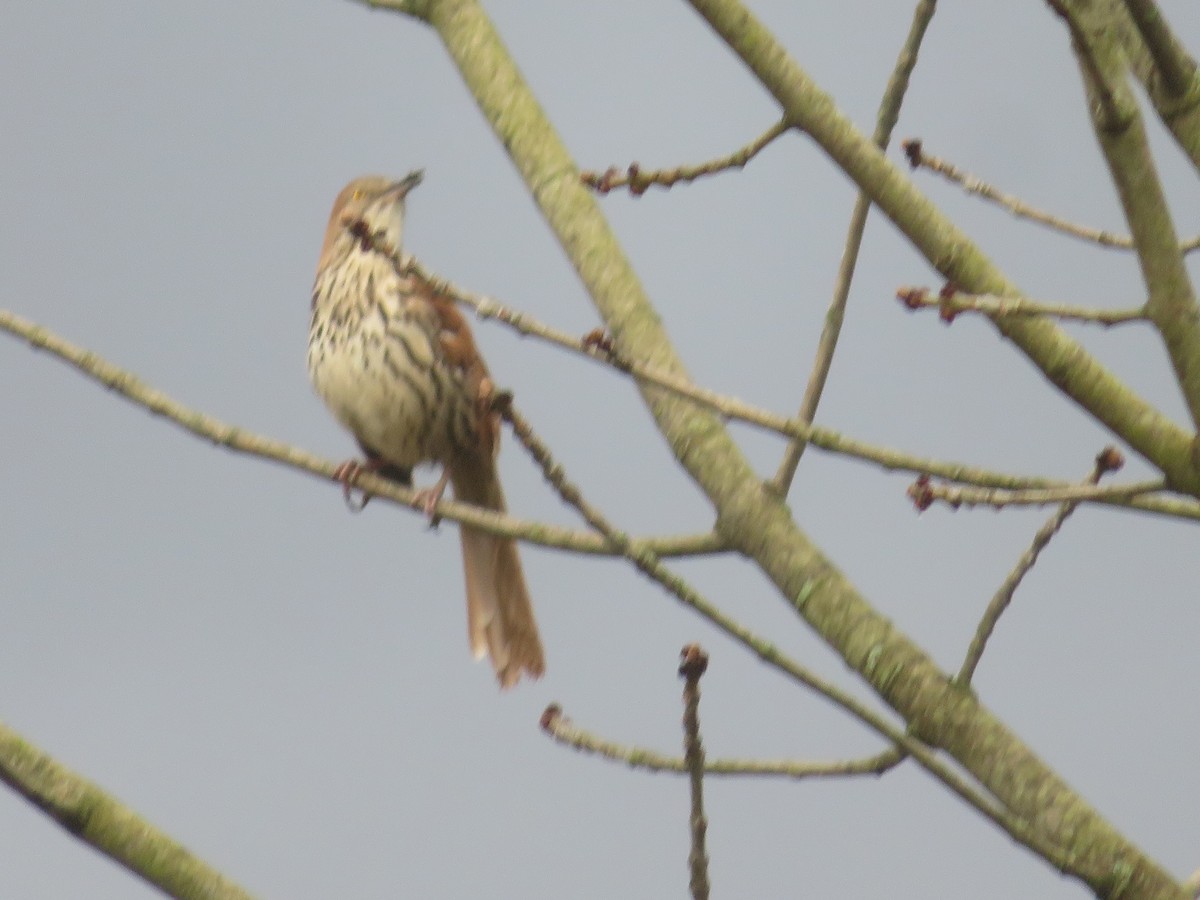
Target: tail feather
500	621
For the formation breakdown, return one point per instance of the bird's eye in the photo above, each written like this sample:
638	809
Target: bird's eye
357	195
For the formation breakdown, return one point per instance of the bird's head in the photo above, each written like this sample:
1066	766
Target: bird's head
374	201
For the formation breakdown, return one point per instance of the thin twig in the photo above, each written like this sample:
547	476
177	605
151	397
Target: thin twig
133	389
889	112
1108	460
239	440
566	732
638	180
949	302
104	823
597	347
924	493
693	664
918	158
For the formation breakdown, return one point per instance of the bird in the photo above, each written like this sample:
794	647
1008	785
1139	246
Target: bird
396	364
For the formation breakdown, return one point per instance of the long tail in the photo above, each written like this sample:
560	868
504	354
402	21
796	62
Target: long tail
500	620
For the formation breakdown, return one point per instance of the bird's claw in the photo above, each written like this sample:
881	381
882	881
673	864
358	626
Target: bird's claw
346	474
429	497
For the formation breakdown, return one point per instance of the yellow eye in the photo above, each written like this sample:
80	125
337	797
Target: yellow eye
357	195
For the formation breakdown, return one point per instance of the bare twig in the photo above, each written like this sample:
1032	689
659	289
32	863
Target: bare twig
692	665
597	346
104	823
239	440
638	179
889	111
924	493
1108	460
918	158
566	732
949	302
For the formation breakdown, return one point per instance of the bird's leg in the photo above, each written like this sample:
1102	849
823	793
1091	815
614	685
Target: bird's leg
347	473
430	496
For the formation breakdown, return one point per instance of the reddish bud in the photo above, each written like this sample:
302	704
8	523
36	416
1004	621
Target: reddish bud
913	297
921	493
693	661
912	149
1110	459
598	339
551	717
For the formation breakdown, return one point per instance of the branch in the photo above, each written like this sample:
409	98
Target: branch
949	302
1111	105
599	347
1108	460
885	122
1180	113
1172	304
239	440
566	732
639	180
694	662
923	493
104	823
917	158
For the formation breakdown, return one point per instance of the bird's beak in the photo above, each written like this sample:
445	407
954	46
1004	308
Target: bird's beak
407	183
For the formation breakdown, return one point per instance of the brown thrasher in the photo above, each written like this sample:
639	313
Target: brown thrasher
396	364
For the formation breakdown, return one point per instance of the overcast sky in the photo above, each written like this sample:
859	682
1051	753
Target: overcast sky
286	688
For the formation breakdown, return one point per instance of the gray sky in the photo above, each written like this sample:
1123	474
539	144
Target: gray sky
286	688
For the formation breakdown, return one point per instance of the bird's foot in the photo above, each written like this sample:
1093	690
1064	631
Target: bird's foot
346	474
430	497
